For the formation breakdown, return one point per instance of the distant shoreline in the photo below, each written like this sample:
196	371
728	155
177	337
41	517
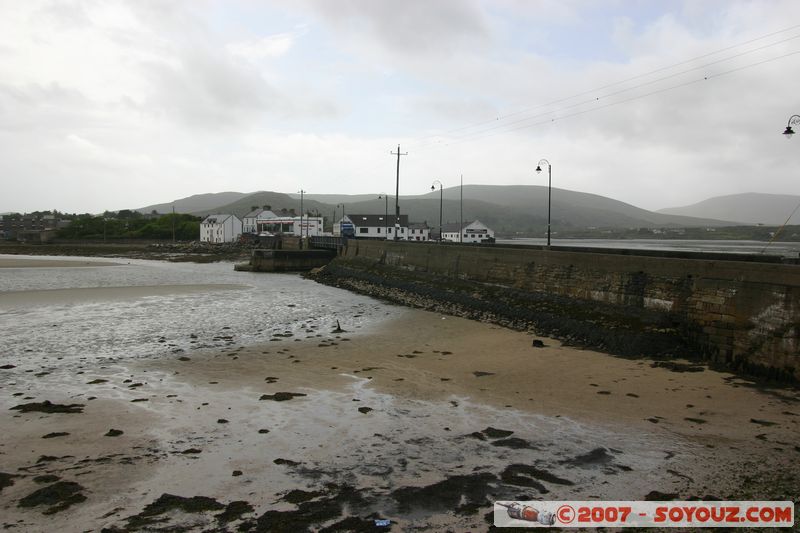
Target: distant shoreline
177	252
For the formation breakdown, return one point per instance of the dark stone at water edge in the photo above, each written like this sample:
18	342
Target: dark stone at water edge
595	457
234	511
464	494
310	514
762	422
6	480
656	496
7	367
529	476
58	496
46	478
364	410
537	343
55	434
515	443
170	502
281	396
48	407
598	457
300	496
678	367
494	433
114	433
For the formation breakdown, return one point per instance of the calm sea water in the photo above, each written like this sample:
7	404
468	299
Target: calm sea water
161	320
786	249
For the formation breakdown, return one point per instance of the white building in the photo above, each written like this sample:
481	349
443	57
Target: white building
220	228
474	232
419	232
269	222
250	220
375	226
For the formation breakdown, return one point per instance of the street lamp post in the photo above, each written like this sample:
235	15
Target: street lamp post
549	189
302	192
433	188
794	120
385	215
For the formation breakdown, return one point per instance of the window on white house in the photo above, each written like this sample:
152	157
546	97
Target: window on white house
363	230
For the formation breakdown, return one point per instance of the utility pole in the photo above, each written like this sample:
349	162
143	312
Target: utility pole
173	223
397	195
461	227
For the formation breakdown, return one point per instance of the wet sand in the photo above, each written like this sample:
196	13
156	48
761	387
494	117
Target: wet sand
17	299
13	262
424	422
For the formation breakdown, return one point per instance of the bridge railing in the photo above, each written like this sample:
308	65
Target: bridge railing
327	242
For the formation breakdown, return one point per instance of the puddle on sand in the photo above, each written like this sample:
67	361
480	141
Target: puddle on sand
408	460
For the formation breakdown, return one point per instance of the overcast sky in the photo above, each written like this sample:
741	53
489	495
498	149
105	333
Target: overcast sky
119	104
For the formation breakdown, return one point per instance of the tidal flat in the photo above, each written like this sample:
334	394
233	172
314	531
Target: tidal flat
238	405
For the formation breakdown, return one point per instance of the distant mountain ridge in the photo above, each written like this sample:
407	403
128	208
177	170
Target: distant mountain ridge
508	209
197	202
746	208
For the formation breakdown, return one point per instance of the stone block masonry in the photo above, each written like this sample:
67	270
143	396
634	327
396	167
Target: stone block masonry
742	314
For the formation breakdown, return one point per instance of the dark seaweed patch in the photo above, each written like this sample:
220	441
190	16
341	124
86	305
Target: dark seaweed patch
48	407
58	496
55	434
494	433
281	396
464	494
169	502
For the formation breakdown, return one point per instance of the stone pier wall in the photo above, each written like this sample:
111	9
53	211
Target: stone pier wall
743	314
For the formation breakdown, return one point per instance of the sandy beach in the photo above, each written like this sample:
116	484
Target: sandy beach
366	424
12	262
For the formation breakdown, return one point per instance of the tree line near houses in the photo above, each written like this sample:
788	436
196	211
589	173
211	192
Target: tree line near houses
128	224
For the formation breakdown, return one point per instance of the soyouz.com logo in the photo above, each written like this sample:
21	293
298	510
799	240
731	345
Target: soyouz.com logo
644	514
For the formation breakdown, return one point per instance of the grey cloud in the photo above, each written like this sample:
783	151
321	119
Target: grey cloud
208	88
455	110
411	27
50	107
63	15
205	89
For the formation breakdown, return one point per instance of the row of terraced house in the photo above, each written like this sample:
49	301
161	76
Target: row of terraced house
218	228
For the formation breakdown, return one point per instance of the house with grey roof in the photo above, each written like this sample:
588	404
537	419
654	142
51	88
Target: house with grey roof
376	226
472	232
220	228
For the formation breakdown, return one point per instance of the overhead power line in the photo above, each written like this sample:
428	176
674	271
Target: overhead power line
505	128
614	84
490	132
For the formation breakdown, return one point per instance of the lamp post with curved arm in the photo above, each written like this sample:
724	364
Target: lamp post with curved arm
794	120
549	189
433	188
386	214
